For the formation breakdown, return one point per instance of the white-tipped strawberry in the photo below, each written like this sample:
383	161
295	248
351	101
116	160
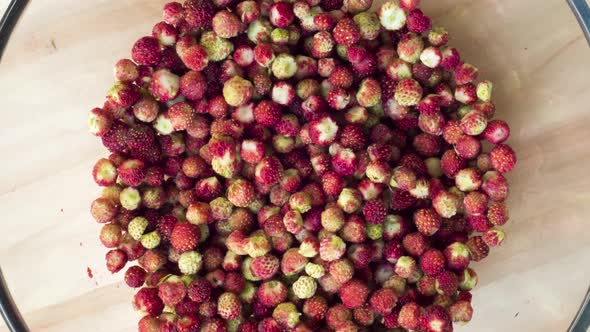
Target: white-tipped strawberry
244	113
252	151
392	17
283	93
244	56
431	57
323	131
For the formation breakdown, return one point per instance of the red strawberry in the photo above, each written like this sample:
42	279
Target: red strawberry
346	32
354	294
374	211
185	237
383	301
432	262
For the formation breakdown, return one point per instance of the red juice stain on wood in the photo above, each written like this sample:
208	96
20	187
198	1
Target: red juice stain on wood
89	272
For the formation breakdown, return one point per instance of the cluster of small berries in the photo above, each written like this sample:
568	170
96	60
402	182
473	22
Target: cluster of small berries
301	165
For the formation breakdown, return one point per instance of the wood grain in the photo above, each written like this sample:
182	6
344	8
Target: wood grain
59	64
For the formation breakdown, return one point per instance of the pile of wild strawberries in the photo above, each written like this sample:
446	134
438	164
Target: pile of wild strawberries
299	165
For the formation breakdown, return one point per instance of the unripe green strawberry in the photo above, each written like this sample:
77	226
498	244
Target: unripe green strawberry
304	287
137	227
190	262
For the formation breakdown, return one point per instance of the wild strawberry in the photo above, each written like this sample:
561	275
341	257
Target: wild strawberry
495	186
315	308
332	247
446	283
172	291
292	262
479	223
248	11
369	93
322	44
446	204
408	92
346	32
229	306
473	123
494	237
304	287
374	211
195	58
338	98
354	230
468	179
383	301
324	22
146	51
475	203
135	276
450	58
188	323
432	262
237	91
345	162
427	286
198	13
338	316
468	147
426	145
478	248
173	13
309	247
286	315
418	22
281	14
435	319
164	85
99	122
271	293
461	311
353	137
369	25
269	324
410	47
147	300
363	62
364	315
226	24
431	57
409	316
300	201
284	66
190	262
496	132
185	237
199	290
268	171
465	73
415	243
332	183
498	213
323	131
353	294
332	219
392	17
502	158
427	221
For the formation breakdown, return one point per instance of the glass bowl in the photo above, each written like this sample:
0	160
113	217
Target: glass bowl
57	65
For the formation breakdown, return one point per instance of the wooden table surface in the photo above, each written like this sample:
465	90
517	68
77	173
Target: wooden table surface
59	64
